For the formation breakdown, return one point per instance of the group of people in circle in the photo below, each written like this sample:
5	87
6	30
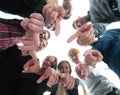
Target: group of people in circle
20	70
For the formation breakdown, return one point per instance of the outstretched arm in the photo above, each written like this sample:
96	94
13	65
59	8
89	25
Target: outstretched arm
34	26
53	14
84	35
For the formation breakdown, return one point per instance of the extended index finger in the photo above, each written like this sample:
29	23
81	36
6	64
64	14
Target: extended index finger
57	27
75	35
59	19
41	78
84	28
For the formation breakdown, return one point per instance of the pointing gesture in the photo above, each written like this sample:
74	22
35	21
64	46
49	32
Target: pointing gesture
84	35
53	16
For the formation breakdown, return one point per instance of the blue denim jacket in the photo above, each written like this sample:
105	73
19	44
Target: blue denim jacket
109	46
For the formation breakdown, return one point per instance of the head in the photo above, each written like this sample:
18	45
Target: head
43	44
73	54
80	21
64	67
76	24
67	5
45	34
50	61
50	26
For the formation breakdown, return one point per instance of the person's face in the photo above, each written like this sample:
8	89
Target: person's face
77	23
48	61
64	68
68	9
45	34
43	44
75	58
50	26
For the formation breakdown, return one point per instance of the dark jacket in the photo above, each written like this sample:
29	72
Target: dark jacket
73	91
12	80
22	7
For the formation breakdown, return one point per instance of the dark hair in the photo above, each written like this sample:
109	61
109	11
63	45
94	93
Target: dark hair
67	17
51	27
54	65
48	33
64	61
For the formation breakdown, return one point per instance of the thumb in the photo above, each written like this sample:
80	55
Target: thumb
24	23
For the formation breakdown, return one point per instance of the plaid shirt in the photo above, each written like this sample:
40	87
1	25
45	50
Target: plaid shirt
10	32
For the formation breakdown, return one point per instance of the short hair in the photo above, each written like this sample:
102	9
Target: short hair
73	50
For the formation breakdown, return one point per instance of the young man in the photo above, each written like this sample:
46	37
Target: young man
96	81
106	46
101	13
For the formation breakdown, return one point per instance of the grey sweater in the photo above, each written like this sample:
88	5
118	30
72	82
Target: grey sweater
101	11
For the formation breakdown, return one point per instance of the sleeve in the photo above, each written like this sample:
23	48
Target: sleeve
53	89
10	33
74	91
99	29
76	82
22	7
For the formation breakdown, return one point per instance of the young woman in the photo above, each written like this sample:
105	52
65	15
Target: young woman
64	68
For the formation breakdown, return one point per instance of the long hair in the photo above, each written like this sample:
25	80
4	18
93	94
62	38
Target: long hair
64	61
61	90
54	65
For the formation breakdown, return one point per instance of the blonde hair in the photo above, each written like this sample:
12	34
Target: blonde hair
73	50
61	90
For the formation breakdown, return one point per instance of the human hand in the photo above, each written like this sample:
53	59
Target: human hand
82	70
50	73
84	35
67	80
92	57
53	16
34	24
30	44
31	66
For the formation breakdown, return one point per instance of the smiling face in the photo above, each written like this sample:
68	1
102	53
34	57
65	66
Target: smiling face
45	34
43	44
64	67
67	5
48	62
75	58
74	55
50	26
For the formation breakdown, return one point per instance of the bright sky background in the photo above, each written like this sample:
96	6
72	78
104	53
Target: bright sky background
58	46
